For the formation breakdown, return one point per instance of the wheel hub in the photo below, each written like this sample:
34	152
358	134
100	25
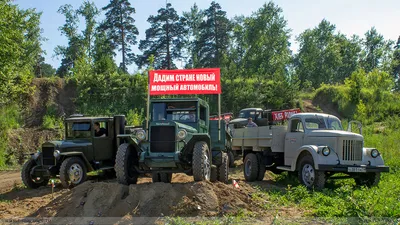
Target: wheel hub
207	167
308	174
75	173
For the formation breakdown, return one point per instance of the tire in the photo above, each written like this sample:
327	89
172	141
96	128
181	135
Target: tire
214	173
251	167
201	163
73	172
223	169
261	168
308	176
28	180
368	179
162	177
124	165
231	159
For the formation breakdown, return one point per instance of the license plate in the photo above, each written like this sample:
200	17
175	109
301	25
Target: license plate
356	170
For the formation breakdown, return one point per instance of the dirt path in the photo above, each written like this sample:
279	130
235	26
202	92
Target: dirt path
9	179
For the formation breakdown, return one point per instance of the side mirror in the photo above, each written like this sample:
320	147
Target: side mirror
358	123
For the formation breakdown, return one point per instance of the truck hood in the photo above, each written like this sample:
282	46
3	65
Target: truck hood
186	127
68	143
333	133
238	120
173	123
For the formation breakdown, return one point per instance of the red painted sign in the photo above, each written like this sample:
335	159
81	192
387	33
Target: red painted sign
284	114
185	82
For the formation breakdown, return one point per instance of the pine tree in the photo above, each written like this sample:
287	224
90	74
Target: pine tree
164	39
120	28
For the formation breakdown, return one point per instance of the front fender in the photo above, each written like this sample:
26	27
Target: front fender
188	150
65	155
316	153
369	160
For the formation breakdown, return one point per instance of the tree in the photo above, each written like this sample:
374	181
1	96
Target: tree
103	53
89	11
43	69
19	48
164	39
75	48
395	66
120	28
213	41
193	20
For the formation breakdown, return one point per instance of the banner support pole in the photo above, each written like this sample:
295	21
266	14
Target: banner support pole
148	104
219	117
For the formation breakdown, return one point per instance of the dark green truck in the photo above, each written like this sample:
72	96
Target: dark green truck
178	138
81	152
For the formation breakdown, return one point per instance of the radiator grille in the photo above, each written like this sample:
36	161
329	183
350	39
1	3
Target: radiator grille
352	150
162	139
47	156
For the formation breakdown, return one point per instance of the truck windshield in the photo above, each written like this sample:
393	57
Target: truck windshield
78	130
248	113
176	111
319	123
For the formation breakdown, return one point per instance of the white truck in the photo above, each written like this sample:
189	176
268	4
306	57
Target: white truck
312	144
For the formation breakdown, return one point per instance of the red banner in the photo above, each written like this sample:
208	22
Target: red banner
284	114
185	82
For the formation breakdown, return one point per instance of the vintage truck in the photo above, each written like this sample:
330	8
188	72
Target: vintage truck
312	144
260	116
180	138
81	152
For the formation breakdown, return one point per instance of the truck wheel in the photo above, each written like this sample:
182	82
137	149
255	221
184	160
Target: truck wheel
201	164
29	180
162	177
231	159
125	165
223	169
72	172
308	175
261	169
251	167
368	179
214	173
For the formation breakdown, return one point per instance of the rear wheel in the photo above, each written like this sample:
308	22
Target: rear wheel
72	172
308	175
261	168
223	169
231	159
125	162
251	167
201	163
214	173
28	179
162	177
368	179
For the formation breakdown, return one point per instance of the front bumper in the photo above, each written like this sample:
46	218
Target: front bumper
354	168
44	171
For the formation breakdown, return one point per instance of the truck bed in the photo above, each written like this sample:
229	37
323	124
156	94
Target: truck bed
259	138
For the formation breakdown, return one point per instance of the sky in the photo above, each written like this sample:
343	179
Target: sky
350	17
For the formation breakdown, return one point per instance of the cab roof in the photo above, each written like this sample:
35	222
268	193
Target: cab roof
323	115
179	100
84	118
251	109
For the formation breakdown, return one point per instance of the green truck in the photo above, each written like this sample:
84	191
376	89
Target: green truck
179	137
79	153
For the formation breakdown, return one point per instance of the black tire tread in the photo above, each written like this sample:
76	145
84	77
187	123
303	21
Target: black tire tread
26	176
120	164
200	148
320	178
231	159
261	168
254	165
223	169
64	178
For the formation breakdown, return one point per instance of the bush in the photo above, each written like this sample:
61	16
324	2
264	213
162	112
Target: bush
10	118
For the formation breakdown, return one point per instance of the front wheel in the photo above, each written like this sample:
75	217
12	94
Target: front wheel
308	176
28	179
72	172
125	162
201	163
368	179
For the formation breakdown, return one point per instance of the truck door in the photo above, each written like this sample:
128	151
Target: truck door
293	140
103	146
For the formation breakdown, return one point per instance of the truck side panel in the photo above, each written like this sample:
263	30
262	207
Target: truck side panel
259	138
215	145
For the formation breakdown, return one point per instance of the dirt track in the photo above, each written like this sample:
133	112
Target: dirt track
9	179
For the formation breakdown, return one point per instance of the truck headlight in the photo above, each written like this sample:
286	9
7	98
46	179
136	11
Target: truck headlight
181	134
374	153
35	155
141	135
56	153
326	151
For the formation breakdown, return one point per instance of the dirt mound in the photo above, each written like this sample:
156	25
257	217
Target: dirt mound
150	200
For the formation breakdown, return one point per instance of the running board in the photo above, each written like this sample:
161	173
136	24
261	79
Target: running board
106	168
287	168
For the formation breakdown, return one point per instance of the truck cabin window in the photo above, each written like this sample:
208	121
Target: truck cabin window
296	126
319	123
249	113
78	130
176	111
